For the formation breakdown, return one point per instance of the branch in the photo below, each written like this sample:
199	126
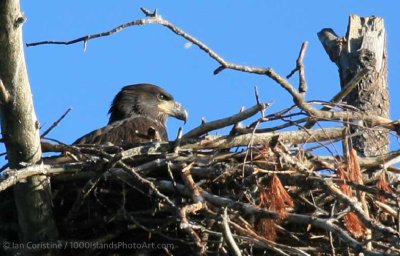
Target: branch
87	38
279	249
56	123
16	176
330	40
344	92
188	228
228	234
206	127
293	137
300	68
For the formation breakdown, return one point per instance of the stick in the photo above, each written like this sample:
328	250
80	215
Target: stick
56	123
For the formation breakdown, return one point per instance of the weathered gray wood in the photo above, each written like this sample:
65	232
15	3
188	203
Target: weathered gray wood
20	128
363	47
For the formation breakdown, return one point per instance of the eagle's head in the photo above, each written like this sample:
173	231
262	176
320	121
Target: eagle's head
148	100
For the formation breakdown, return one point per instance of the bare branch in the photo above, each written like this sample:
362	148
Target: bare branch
294	137
228	234
206	127
300	68
18	176
56	123
344	92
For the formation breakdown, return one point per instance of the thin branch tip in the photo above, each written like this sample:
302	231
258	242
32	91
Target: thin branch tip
219	69
146	12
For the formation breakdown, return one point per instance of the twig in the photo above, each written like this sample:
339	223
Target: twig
238	125
189	182
344	92
147	183
300	68
386	208
83	194
228	235
206	127
178	140
87	38
16	176
279	249
56	123
85	191
171	176
390	162
249	148
187	227
330	233
398	214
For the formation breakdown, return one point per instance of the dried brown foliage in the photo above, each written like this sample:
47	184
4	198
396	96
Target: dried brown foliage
353	167
274	198
354	225
266	228
384	185
353	173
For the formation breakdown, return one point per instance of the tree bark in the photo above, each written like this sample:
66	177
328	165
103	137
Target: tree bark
363	47
20	129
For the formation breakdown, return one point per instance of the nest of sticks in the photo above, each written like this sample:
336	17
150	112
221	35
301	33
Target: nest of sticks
256	191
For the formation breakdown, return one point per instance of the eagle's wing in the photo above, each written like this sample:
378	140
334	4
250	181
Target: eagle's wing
133	130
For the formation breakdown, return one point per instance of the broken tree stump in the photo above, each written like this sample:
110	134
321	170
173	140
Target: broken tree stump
363	47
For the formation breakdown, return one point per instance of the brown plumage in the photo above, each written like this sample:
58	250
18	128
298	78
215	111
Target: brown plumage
138	114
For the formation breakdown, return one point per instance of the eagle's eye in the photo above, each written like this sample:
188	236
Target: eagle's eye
162	97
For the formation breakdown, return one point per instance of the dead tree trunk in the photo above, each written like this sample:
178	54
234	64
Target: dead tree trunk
363	47
20	128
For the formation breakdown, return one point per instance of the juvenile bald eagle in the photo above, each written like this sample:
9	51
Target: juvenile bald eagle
138	114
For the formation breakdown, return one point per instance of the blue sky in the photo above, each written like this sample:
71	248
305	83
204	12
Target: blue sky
257	33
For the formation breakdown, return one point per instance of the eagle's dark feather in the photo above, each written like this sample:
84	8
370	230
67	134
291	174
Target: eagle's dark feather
136	129
138	114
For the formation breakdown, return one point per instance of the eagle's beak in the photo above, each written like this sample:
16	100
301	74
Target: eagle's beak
179	111
175	109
